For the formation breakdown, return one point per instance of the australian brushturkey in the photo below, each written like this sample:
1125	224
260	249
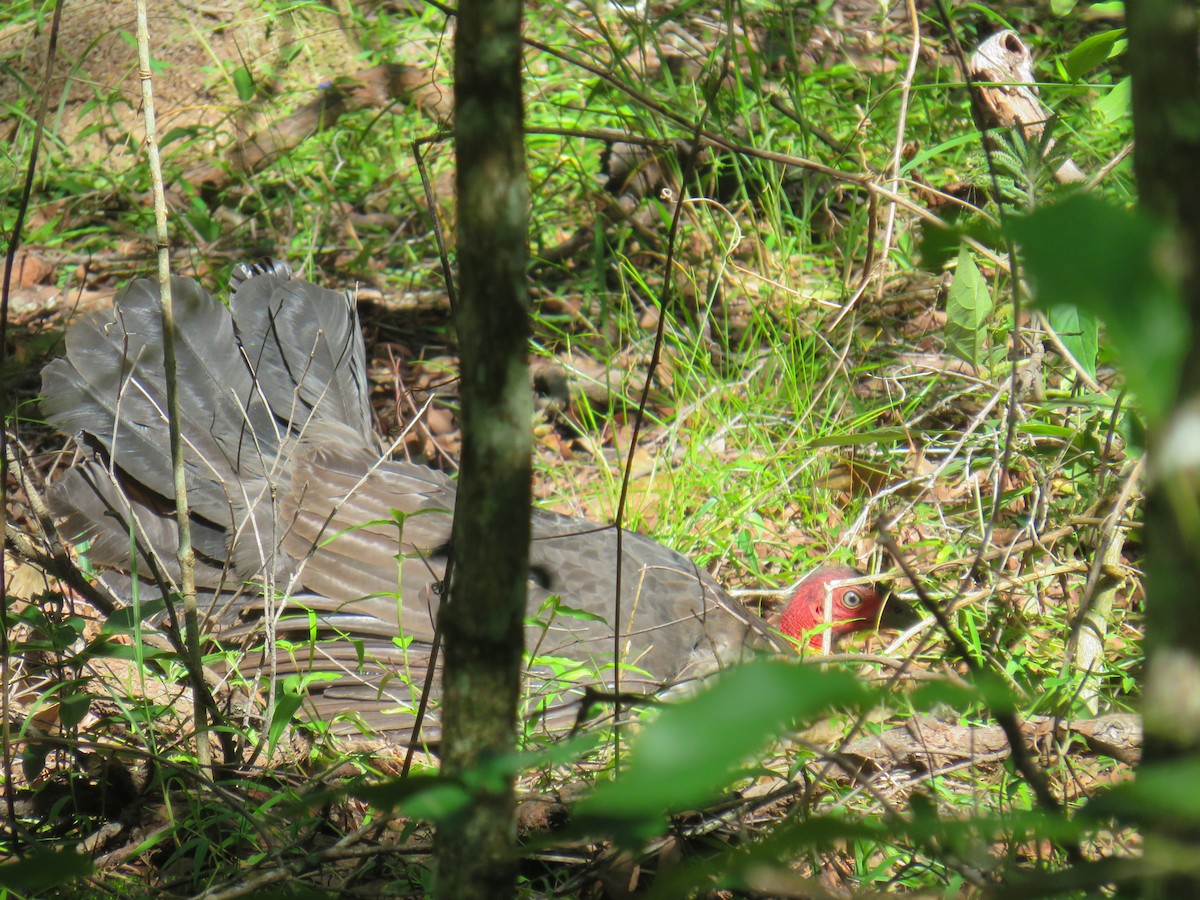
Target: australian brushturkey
300	520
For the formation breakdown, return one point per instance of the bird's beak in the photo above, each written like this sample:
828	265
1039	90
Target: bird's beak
897	615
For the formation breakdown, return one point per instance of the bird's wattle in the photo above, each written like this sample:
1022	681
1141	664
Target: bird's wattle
819	602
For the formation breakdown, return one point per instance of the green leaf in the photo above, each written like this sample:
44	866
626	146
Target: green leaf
1167	794
72	707
1091	52
986	689
437	797
127	619
694	749
554	605
243	82
939	244
1117	103
1114	264
423	796
203	220
179	134
745	545
1080	334
103	648
287	702
40	870
33	761
967	309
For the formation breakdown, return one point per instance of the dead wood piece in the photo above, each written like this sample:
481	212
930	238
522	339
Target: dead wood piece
1118	735
376	87
1004	94
603	386
926	744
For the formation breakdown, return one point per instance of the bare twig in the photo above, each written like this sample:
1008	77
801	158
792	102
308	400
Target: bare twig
1022	759
185	554
6	401
1105	576
897	160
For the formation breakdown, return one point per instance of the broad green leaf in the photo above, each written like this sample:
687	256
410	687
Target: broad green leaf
1163	793
203	220
941	244
1083	440
287	702
1080	334
33	761
243	81
1090	52
40	870
438	797
694	749
1117	103
424	796
139	653
967	309
127	619
289	698
745	545
1116	265
989	690
72	707
178	134
554	605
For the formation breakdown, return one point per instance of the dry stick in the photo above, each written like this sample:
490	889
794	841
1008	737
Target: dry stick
1109	166
1021	757
1014	270
897	161
1008	721
638	419
436	223
6	404
185	554
435	645
1091	623
721	142
902	123
1043	322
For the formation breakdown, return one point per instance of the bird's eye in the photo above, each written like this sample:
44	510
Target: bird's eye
852	599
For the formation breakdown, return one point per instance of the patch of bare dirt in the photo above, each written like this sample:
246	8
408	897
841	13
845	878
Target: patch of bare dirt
96	94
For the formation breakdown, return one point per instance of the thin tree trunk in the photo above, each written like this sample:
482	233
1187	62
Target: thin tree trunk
482	623
1165	61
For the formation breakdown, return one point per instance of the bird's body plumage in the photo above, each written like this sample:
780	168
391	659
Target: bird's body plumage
304	528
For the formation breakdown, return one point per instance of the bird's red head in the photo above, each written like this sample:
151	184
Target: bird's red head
851	607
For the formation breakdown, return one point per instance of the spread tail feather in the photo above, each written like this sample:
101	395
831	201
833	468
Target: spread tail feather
286	366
